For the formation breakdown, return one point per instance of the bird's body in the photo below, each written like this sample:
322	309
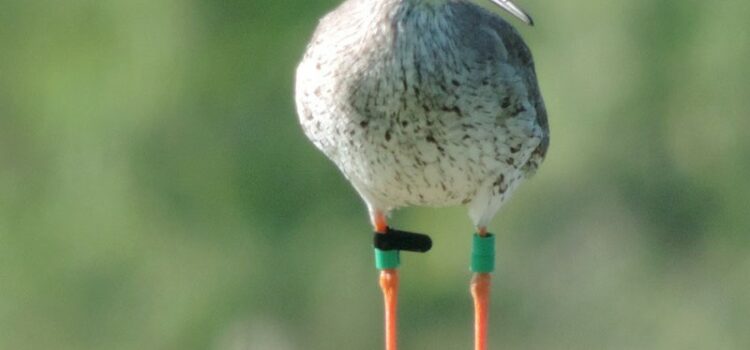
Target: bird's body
423	103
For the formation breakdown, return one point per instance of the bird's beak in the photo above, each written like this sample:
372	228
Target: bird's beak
509	6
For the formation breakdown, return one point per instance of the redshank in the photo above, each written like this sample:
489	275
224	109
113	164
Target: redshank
425	103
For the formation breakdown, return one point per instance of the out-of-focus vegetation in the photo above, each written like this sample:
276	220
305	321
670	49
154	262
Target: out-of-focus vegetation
156	191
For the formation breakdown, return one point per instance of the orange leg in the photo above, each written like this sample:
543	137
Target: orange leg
480	291
389	285
482	231
379	221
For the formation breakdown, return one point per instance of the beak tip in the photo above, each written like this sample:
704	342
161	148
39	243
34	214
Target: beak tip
516	11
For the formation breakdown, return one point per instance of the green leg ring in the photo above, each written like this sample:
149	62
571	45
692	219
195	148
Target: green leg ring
387	259
483	253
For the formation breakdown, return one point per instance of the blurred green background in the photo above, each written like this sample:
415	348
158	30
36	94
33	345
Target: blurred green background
156	191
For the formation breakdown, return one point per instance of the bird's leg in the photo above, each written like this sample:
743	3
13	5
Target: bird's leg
389	285
482	265
480	290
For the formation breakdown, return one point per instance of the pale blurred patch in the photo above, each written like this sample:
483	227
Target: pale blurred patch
254	334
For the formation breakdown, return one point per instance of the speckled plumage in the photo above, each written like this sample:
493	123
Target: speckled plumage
423	103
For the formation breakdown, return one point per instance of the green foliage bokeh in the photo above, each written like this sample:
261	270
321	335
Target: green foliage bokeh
156	191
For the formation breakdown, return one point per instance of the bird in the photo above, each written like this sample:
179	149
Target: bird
424	103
